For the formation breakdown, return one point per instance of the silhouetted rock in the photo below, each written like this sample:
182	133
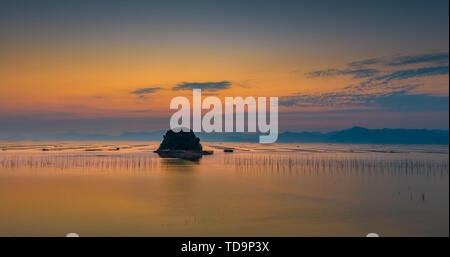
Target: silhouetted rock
180	141
184	145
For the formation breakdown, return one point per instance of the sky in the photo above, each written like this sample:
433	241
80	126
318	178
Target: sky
114	66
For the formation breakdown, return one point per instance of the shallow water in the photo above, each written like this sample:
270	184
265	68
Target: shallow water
93	189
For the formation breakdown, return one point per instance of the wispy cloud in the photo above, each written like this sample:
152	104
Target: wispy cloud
207	86
329	99
437	65
359	64
437	58
395	79
382	85
429	58
410	73
357	74
143	91
398	100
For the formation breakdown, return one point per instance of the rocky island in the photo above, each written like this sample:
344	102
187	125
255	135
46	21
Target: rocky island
184	145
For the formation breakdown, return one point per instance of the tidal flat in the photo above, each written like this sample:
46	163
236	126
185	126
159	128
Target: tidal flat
124	189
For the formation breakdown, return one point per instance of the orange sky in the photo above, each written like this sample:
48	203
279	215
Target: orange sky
85	64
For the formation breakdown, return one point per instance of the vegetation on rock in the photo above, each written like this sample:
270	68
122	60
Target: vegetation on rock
180	141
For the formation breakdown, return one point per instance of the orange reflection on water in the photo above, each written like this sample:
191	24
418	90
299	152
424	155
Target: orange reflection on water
277	190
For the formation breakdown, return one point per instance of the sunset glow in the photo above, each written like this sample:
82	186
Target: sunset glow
113	63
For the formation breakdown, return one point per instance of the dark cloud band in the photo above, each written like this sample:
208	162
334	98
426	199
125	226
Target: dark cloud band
148	90
207	86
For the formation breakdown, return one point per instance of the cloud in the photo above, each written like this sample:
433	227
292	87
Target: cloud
395	80
380	86
437	58
437	65
207	86
400	100
359	64
387	92
330	99
143	91
357	74
411	73
430	58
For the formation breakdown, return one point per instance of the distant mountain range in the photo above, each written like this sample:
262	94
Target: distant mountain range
355	135
358	135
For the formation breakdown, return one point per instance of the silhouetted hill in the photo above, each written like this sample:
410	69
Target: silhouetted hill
389	136
355	135
359	135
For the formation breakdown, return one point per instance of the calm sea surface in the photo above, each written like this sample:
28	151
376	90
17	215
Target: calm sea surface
93	189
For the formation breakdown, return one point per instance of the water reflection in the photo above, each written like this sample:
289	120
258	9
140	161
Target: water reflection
339	190
179	165
189	156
